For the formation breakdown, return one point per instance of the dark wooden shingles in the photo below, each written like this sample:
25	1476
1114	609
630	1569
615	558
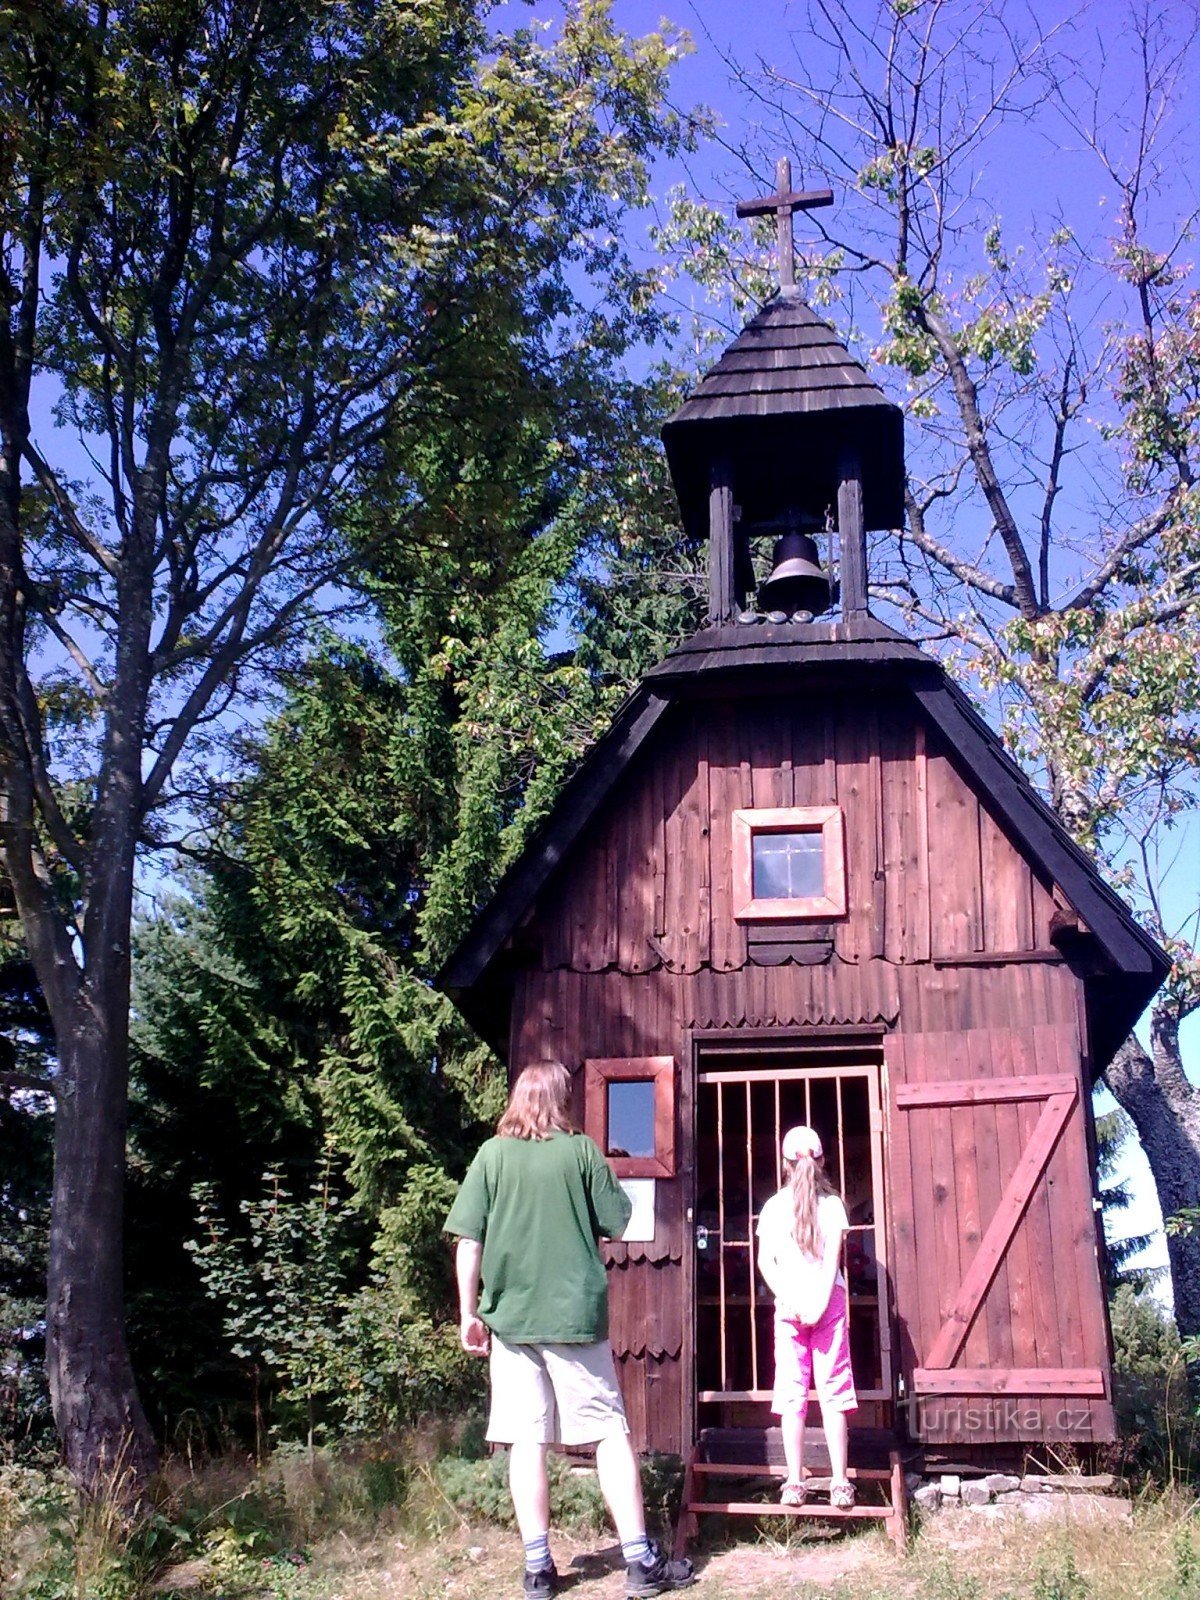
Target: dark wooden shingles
718	407
789	380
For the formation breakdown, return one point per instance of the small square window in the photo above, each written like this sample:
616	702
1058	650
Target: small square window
789	863
629	1109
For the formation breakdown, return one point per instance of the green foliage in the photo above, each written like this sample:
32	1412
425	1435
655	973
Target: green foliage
1113	1131
1153	1399
479	1490
1060	1580
342	292
282	1286
1187	1565
283	1010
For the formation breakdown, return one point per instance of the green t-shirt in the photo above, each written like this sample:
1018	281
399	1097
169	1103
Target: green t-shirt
538	1206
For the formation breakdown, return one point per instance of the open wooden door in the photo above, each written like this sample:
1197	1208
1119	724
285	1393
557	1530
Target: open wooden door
1002	1318
742	1114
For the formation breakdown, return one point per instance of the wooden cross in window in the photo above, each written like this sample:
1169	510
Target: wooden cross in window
783	203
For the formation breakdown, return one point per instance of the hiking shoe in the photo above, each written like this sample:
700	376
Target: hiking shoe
841	1495
793	1494
656	1574
541	1585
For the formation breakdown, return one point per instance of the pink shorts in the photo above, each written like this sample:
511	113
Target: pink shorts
814	1355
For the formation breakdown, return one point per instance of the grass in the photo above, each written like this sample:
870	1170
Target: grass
388	1521
957	1558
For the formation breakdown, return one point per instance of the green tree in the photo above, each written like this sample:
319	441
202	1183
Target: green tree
1049	373
245	249
1113	1132
286	1001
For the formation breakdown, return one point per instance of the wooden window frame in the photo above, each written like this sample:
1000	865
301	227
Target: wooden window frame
659	1070
825	820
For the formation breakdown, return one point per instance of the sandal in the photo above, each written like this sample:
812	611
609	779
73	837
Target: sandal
841	1496
793	1494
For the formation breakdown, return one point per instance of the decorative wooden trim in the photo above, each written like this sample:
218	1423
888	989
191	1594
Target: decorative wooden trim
998	958
659	1070
984	1091
792	1035
1010	1380
826	820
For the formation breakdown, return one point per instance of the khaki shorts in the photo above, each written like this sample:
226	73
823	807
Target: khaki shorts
554	1394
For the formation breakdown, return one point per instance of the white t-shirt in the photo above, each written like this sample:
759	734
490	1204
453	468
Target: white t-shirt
801	1273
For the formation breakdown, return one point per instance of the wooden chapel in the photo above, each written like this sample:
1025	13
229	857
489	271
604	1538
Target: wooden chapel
799	880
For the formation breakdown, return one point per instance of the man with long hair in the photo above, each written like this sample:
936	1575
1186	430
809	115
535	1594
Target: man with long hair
529	1217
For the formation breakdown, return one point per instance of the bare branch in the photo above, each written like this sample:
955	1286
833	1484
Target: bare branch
974	577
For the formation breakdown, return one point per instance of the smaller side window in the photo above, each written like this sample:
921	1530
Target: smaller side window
789	863
629	1109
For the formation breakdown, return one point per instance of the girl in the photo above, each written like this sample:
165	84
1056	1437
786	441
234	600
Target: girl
800	1232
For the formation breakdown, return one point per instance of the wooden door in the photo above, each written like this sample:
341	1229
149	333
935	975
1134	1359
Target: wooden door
741	1116
1000	1307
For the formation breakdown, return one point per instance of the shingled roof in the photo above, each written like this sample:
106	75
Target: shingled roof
784	361
787	363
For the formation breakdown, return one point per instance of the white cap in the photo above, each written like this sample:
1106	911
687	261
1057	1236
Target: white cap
802	1141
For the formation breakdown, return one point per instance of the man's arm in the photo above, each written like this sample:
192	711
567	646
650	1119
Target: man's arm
611	1206
472	1330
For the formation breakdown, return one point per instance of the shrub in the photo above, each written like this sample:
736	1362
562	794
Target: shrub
478	1490
1154	1405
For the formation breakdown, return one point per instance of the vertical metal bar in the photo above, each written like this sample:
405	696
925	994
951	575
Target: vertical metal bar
778	1139
878	1193
721	1230
841	1140
750	1237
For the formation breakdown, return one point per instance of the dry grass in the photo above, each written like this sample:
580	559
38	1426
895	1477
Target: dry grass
1081	1554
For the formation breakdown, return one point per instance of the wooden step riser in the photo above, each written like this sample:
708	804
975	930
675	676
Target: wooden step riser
756	1508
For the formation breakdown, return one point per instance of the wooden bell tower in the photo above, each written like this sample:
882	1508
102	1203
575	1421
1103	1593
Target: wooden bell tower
786	431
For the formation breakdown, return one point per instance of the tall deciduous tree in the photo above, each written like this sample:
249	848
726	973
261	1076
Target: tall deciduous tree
246	247
1049	367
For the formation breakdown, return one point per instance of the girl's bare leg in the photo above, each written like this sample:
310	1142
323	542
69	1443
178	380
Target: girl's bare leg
836	1437
791	1425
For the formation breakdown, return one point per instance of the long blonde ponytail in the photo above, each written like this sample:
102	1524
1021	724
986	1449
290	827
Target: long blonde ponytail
808	1184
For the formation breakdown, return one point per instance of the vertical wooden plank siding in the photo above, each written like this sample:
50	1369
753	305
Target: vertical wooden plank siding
727	794
955	911
688	917
1007	890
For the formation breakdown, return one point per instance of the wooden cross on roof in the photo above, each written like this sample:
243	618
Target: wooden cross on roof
783	203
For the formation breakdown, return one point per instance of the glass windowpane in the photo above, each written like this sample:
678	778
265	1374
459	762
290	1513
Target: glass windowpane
631	1118
788	866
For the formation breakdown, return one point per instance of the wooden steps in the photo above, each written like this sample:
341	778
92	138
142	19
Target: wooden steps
755	1454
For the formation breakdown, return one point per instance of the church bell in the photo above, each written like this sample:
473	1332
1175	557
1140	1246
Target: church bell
797	581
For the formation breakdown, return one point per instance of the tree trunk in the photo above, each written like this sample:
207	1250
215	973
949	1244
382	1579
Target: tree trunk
1165	1108
107	1442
